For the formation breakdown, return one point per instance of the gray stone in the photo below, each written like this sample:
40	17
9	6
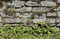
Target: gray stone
1	9
44	17
37	20
18	3
26	15
58	13
40	9
8	3
26	9
0	19
58	1
17	20
18	10
51	20
10	20
18	14
30	3
52	24
51	14
58	24
24	20
36	16
48	3
57	9
58	19
2	14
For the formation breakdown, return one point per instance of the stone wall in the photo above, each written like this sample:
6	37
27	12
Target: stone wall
31	13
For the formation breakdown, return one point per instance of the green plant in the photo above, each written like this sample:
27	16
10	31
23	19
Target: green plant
42	31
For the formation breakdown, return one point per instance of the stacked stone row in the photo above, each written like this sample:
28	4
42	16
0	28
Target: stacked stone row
31	13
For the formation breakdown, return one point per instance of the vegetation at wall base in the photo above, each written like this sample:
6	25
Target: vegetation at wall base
42	31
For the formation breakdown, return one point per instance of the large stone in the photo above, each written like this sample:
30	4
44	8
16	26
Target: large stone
26	9
51	20
18	3
30	3
41	9
10	20
51	14
48	3
38	20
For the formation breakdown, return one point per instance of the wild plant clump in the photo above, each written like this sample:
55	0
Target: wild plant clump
42	31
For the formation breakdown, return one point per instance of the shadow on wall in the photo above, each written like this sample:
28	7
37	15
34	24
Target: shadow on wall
38	1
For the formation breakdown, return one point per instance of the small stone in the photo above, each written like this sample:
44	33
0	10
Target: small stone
26	9
38	20
51	14
30	3
10	20
51	20
58	13
58	1
18	3
24	20
58	19
17	20
58	25
18	14
0	19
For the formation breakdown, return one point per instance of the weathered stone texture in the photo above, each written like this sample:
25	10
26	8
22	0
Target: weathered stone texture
31	13
30	3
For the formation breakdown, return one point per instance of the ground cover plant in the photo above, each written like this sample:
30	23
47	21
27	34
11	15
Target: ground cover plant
42	31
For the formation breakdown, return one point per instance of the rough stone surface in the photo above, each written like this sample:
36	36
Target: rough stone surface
26	9
31	13
58	13
58	19
52	14
58	1
40	9
18	3
37	20
30	3
58	25
48	3
51	20
9	20
52	24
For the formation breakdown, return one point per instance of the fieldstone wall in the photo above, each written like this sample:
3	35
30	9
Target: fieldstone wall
31	13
